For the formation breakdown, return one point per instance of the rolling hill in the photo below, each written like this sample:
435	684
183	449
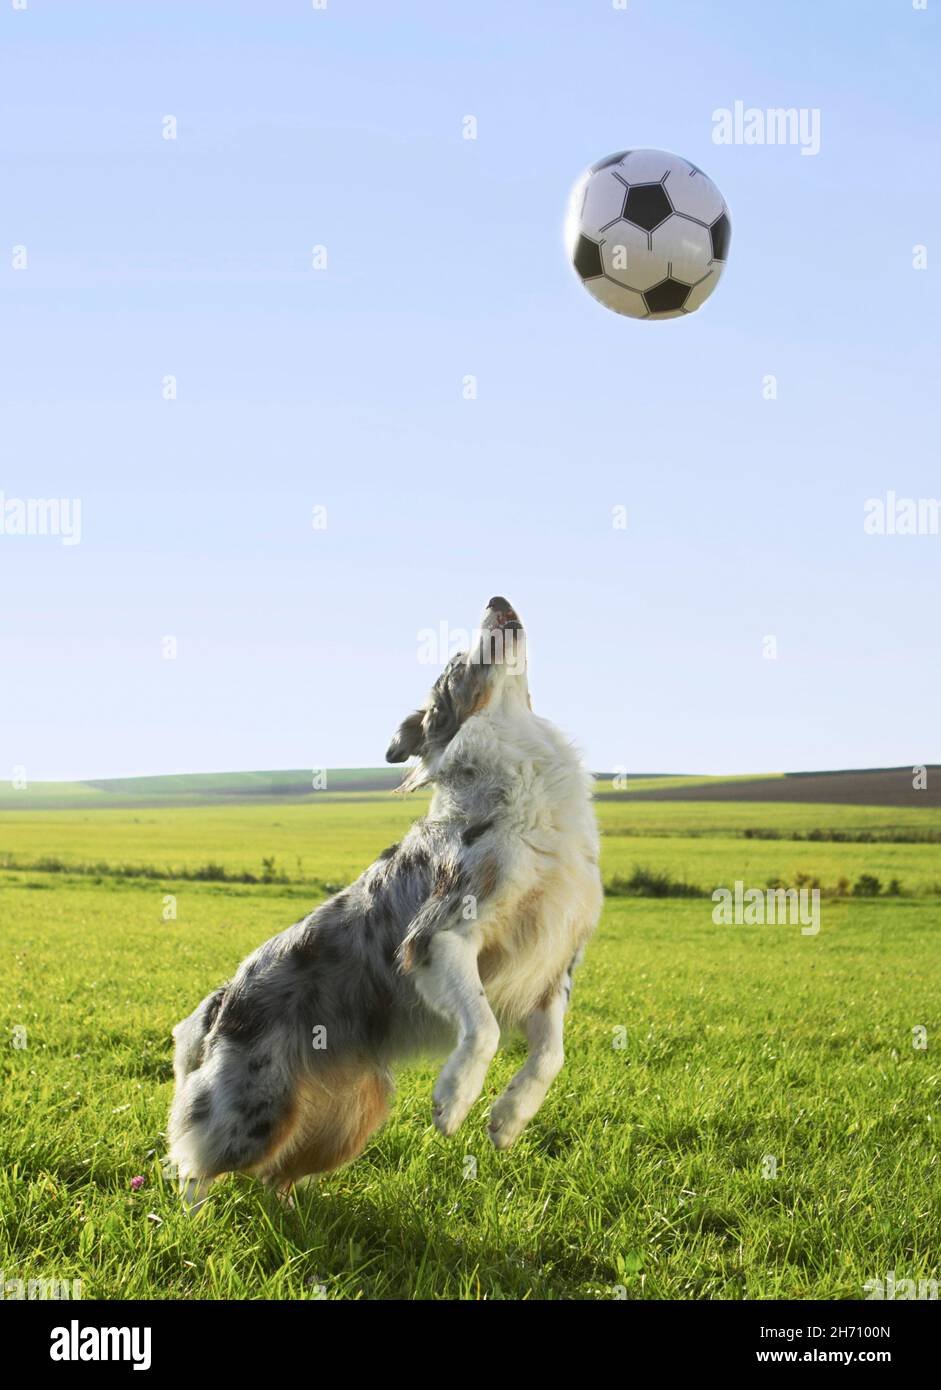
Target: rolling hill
857	787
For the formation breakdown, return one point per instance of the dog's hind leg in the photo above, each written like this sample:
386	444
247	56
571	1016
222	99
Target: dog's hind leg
449	981
517	1105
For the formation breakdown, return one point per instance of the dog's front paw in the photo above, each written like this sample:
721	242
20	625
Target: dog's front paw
194	1192
445	1120
507	1121
451	1100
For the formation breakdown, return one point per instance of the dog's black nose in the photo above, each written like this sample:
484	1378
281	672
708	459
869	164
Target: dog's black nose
501	604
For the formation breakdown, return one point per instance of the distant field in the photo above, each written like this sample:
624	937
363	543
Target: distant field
701	1058
323	841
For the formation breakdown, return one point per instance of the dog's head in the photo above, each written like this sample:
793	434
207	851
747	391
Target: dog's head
494	669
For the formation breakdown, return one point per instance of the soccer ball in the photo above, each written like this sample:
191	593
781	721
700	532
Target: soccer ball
648	234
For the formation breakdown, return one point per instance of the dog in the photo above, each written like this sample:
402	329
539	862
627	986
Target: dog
471	926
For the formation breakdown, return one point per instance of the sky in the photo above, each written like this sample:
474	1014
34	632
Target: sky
321	492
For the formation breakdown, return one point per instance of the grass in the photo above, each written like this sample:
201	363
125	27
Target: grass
700	1058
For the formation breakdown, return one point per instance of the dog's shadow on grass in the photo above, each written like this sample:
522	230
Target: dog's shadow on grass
384	1242
386	1247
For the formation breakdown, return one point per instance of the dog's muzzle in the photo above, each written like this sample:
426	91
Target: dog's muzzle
501	614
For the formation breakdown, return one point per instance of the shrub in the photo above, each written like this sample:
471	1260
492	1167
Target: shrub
270	872
651	883
210	873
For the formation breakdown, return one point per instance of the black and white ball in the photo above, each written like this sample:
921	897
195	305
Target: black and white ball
648	234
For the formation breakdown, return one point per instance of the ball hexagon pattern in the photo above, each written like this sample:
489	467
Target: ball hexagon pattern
628	259
687	246
648	234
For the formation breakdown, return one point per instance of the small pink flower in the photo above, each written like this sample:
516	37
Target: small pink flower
136	1184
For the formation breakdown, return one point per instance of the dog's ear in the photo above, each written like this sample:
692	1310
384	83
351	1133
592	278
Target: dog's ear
408	739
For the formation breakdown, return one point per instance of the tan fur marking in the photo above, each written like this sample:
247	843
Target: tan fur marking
528	917
448	880
333	1118
491	958
549	995
483	699
488	872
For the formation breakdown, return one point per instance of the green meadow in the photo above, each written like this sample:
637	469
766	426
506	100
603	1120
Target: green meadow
745	1111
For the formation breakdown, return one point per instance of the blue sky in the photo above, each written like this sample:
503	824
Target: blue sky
342	388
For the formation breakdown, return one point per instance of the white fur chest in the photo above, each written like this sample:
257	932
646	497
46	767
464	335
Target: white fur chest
547	803
546	837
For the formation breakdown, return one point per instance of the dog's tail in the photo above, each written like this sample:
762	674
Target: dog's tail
257	1106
